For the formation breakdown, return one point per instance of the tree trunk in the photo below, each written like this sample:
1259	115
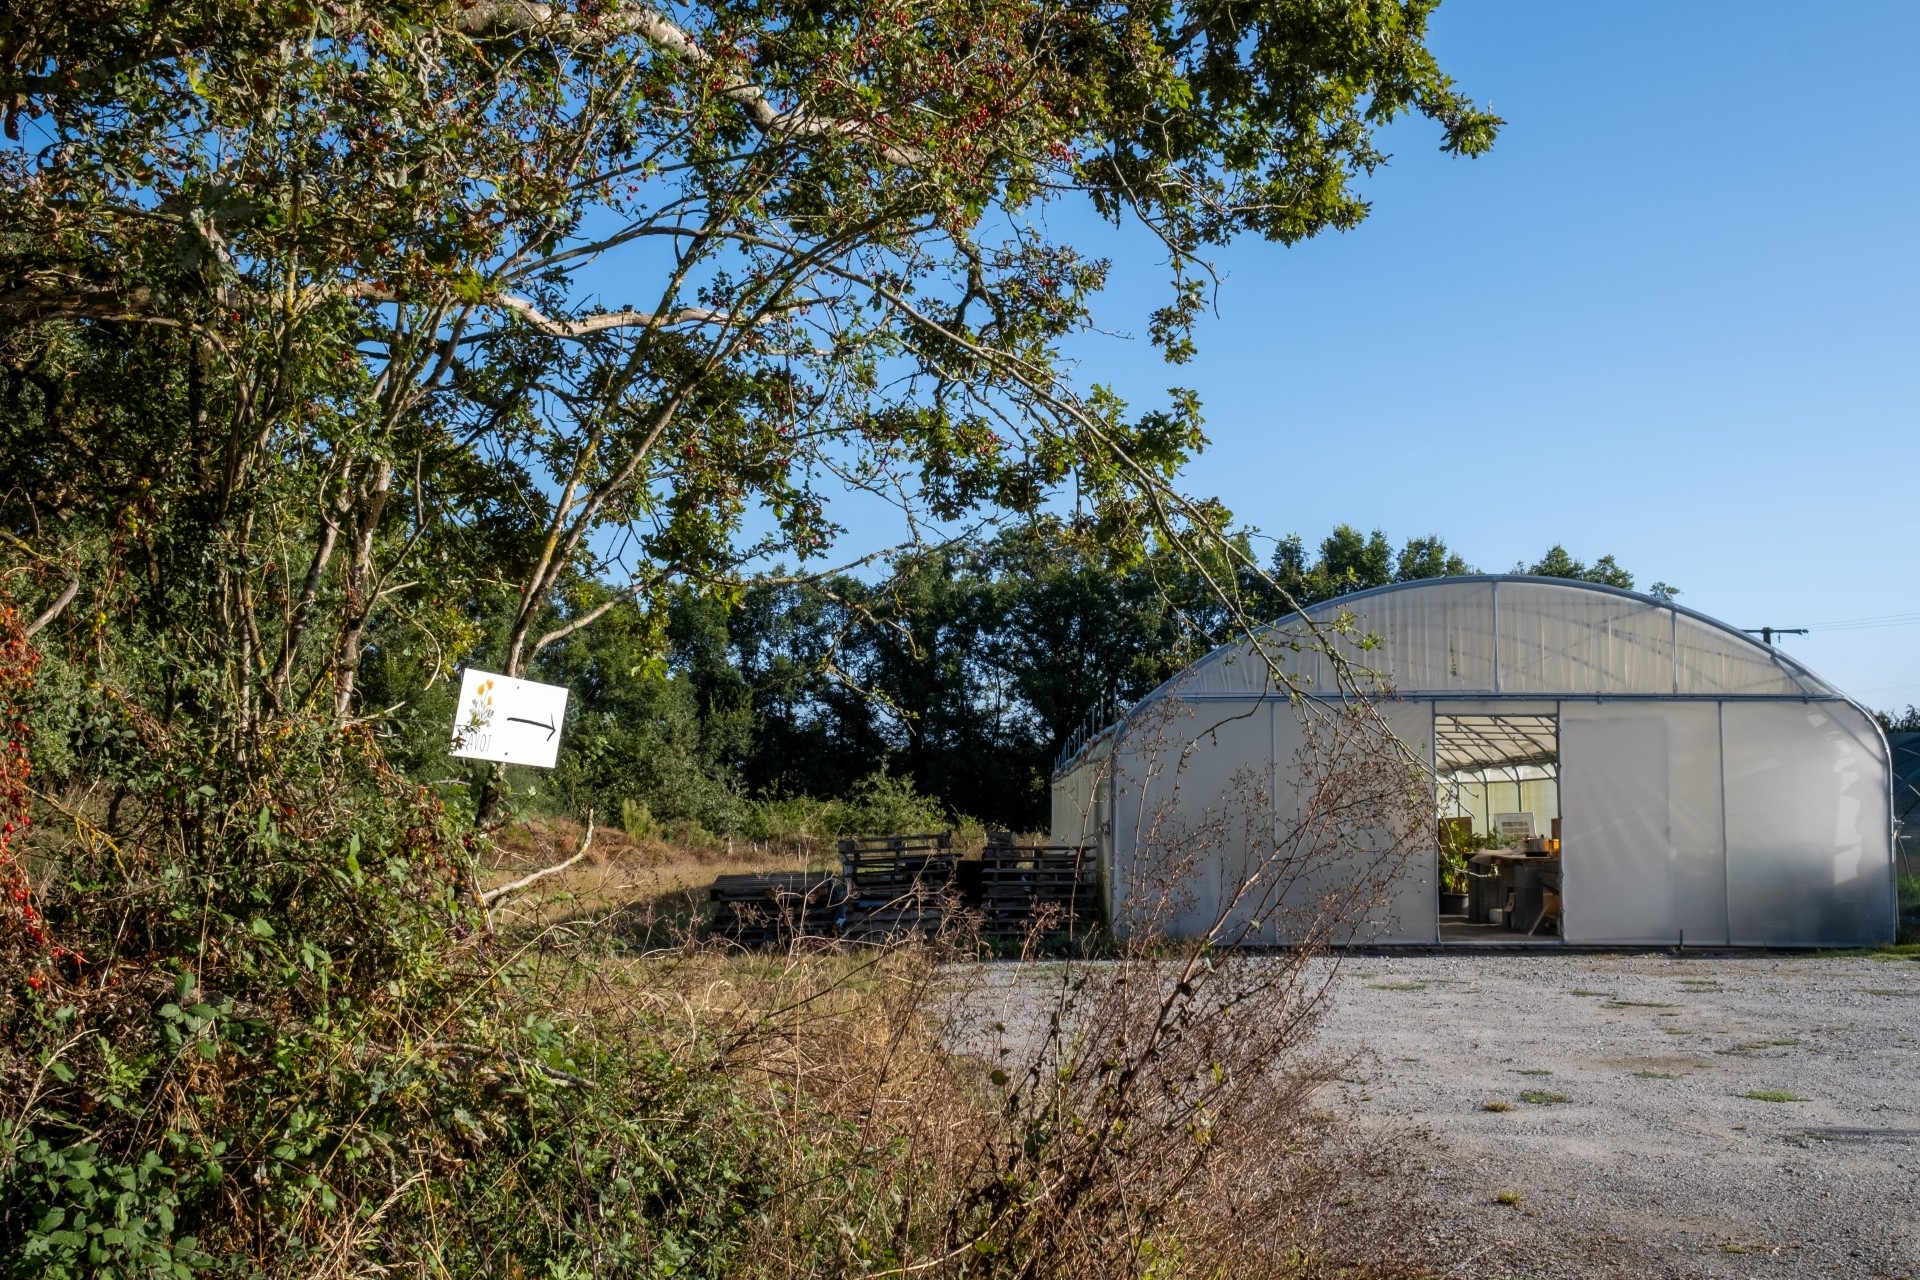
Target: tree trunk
361	584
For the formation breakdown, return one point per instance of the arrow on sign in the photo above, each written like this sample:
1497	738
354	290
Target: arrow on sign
546	724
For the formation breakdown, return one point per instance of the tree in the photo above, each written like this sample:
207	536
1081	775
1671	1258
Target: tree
341	344
377	264
1349	561
1901	722
1557	563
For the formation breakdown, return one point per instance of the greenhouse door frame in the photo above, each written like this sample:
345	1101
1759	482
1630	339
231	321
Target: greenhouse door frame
1474	708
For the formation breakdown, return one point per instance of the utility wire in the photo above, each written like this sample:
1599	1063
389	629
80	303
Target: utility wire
1866	624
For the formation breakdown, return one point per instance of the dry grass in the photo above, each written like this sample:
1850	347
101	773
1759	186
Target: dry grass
1160	1111
953	1158
649	893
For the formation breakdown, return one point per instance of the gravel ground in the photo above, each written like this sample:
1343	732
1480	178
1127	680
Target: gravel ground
1642	1150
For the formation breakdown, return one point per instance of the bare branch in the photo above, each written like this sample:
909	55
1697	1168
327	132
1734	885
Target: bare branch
523	17
606	320
55	609
591	616
492	896
366	291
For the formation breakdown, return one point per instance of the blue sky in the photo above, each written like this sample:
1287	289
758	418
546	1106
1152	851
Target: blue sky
1672	316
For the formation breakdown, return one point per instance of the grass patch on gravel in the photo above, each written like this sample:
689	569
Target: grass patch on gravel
1888	991
1497	1105
1578	991
1531	1071
1398	986
1639	1004
1512	1199
1750	1046
1658	1075
1542	1098
1774	1095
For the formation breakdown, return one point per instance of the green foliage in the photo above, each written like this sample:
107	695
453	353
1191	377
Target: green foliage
1902	722
1458	843
86	1214
1349	561
1557	563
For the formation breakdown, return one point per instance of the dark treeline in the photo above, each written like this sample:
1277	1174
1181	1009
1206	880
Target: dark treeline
962	673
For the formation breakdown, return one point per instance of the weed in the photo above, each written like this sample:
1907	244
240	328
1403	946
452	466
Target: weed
1775	1095
1731	1247
1496	1105
1608	995
1398	986
1512	1199
1657	1075
1532	1071
1751	1046
1542	1098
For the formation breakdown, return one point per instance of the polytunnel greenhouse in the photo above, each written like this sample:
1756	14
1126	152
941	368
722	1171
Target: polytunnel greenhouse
1603	768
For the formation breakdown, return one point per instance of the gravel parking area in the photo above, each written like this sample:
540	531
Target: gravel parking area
1649	1114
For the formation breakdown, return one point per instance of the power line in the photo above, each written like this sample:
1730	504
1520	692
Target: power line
1864	624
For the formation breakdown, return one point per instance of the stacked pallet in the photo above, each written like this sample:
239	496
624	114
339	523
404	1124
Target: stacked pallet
898	886
1034	890
776	909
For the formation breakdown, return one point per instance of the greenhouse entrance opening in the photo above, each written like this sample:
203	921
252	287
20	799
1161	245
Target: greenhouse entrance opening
1498	792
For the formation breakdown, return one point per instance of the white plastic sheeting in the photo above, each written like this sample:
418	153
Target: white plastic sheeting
1711	790
1511	636
1641	830
1202	802
1809	844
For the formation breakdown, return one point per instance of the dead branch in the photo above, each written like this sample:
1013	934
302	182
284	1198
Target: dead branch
55	609
492	896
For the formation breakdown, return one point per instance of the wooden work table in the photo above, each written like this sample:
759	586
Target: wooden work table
1496	877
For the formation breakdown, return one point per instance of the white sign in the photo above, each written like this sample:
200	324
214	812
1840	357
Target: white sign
513	721
1514	824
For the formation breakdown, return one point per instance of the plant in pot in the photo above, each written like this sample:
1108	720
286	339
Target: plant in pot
1457	844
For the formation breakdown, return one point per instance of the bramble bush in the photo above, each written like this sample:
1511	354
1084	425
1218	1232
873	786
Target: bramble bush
262	1028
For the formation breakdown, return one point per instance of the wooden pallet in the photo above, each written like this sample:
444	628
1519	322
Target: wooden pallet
898	887
778	908
1029	890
